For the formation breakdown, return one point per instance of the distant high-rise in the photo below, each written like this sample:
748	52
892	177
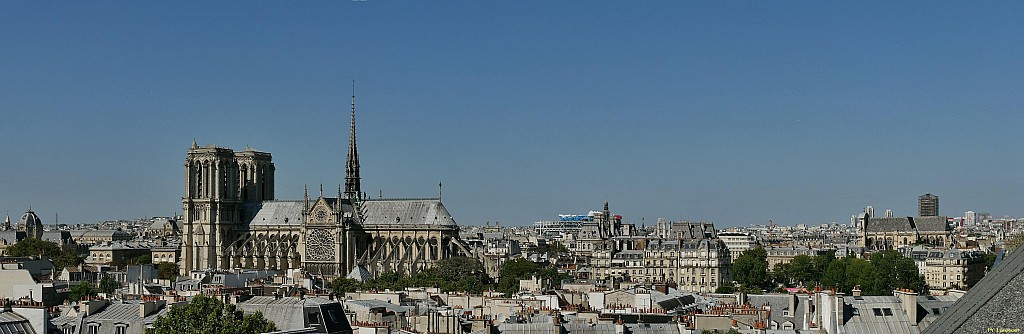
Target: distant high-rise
970	218
928	205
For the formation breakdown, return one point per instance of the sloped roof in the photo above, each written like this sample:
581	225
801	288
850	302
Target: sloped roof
275	213
995	302
891	224
280	212
427	211
360	273
877	315
931	223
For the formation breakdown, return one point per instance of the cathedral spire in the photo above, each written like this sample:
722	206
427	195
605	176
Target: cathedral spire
305	198
352	162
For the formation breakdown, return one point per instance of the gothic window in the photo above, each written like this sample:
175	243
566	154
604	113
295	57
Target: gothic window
199	179
320	245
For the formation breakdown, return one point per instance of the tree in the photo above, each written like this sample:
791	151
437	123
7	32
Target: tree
61	257
751	268
803	271
726	287
209	315
513	271
342	285
141	259
834	275
108	284
68	257
167	270
860	272
781	274
990	260
81	290
34	247
452	274
893	271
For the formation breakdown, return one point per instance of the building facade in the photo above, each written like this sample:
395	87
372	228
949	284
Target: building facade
928	205
232	220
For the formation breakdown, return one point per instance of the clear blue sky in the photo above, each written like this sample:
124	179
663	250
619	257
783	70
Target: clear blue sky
735	112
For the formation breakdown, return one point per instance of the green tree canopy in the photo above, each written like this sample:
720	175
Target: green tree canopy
61	257
802	271
167	270
34	247
751	268
210	315
80	290
452	274
141	259
521	268
893	270
834	275
108	284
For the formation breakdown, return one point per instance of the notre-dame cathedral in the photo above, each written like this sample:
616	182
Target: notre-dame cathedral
233	221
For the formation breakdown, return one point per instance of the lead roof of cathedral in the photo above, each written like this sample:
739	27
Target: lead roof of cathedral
426	211
276	213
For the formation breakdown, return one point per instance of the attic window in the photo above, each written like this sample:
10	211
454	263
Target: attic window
887	311
877	311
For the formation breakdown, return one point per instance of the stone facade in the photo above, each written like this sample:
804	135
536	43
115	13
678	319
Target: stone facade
896	232
231	220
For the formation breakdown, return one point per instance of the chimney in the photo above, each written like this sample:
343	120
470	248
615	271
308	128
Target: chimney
792	304
93	306
840	309
741	298
620	327
908	300
856	291
148	307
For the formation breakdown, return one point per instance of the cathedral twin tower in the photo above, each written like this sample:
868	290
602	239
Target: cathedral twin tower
233	221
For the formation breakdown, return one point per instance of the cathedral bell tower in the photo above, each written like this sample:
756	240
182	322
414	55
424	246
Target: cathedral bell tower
218	184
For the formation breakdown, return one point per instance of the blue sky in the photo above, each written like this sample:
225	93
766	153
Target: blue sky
737	113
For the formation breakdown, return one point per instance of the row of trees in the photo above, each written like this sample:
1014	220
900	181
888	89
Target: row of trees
454	274
61	257
881	274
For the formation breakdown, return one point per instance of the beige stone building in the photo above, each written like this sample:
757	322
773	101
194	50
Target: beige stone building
691	258
232	220
954	269
784	254
116	253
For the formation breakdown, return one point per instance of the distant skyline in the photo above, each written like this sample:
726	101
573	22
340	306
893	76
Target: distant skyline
736	113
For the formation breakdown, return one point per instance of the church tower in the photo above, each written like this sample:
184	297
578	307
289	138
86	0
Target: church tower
352	191
212	205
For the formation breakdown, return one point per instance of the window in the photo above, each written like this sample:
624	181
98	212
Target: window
94	328
121	329
877	311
